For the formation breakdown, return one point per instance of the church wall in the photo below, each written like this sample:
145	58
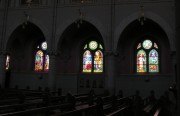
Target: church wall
99	16
33	80
67	82
129	84
36	16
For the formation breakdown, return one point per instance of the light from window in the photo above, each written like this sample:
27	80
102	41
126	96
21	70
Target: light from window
41	58
141	61
44	45
46	65
147	57
147	44
7	62
155	45
93	57
98	61
93	45
139	45
153	61
87	61
39	61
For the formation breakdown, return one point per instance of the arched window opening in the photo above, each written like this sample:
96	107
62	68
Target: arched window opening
41	58
93	57
141	61
147	56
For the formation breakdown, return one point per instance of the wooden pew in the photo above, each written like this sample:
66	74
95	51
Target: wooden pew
54	108
37	111
79	111
120	106
152	109
19	107
118	111
157	112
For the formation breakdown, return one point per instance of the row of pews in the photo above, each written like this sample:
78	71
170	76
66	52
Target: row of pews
16	102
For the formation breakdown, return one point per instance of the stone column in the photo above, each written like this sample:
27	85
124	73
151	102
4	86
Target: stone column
2	68
173	57
52	71
177	10
109	69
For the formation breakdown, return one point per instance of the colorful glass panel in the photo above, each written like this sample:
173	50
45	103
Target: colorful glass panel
153	61
155	45
46	64
87	61
7	62
100	46
139	46
44	45
93	45
141	61
98	61
39	61
85	46
147	44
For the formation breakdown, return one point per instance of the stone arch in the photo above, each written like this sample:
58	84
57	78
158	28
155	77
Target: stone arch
92	20
34	21
154	17
22	44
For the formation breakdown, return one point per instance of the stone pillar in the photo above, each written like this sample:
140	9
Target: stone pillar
52	72
2	68
109	69
177	9
178	66
173	57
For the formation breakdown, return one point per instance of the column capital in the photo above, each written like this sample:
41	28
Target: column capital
111	53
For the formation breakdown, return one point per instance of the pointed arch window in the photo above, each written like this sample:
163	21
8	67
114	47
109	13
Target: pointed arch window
92	57
147	57
41	58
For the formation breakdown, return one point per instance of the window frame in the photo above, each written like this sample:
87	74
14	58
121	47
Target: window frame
147	51
44	57
92	54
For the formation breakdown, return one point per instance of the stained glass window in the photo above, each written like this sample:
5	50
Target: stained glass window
141	61
41	58
44	46
87	61
147	59
98	61
100	46
147	44
153	61
155	45
93	57
93	45
139	45
46	64
85	46
39	61
7	62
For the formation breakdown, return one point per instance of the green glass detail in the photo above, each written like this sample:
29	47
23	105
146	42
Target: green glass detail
93	45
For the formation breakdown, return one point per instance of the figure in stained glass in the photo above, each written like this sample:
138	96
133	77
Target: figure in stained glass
87	61
46	65
153	61
98	61
92	57
39	61
149	63
141	61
